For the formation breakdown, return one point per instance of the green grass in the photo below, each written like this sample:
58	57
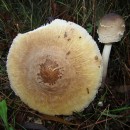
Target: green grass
3	115
19	16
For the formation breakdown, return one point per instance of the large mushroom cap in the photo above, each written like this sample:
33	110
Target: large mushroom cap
55	69
111	28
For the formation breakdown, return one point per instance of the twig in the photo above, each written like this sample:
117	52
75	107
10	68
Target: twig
84	11
98	122
94	16
53	118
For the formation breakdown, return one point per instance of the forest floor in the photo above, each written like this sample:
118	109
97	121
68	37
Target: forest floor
19	16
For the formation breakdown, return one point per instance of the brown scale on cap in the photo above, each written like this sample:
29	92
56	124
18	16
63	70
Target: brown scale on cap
68	53
96	58
65	34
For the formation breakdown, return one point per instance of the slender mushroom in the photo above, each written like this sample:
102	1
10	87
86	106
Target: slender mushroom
55	69
111	29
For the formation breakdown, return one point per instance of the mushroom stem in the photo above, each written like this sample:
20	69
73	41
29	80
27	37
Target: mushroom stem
105	57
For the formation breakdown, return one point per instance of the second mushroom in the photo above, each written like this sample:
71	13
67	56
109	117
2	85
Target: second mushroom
111	29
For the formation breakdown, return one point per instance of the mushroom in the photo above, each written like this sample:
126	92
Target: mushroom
55	69
111	29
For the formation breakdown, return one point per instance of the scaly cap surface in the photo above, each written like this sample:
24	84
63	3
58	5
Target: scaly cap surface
55	69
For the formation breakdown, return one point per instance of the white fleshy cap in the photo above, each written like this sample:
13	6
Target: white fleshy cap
55	69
